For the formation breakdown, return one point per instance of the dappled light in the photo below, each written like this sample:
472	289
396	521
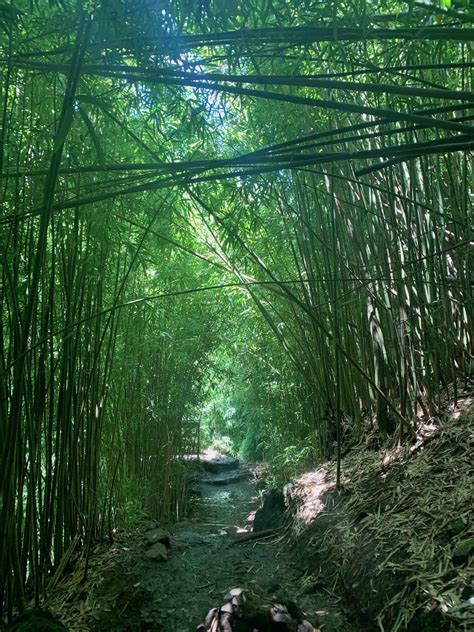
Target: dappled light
236	315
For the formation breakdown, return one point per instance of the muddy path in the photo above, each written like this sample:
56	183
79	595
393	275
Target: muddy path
206	561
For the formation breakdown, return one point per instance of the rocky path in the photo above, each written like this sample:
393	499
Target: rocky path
138	584
206	560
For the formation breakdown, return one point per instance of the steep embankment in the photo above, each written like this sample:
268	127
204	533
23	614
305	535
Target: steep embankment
397	541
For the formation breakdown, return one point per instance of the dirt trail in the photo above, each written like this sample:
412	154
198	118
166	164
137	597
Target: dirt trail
205	562
127	591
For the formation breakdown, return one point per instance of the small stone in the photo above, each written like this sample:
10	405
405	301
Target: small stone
158	552
237	593
158	535
209	618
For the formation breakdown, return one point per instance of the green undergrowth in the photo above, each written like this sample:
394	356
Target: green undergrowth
289	464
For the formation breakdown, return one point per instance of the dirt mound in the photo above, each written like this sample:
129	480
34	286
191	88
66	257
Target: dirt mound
397	540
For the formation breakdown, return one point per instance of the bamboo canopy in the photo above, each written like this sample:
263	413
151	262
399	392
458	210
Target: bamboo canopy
269	194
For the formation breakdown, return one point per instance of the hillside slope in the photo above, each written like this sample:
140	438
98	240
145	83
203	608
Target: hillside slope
397	540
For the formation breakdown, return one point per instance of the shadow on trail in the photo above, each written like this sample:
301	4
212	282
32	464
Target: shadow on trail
210	554
151	579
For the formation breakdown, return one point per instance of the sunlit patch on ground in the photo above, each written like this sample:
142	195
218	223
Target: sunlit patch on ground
209	454
311	488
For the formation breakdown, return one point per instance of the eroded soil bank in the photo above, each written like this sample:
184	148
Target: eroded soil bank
397	541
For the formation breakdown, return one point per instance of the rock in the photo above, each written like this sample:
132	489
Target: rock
236	596
227	479
158	552
220	464
279	614
210	616
245	611
158	535
270	515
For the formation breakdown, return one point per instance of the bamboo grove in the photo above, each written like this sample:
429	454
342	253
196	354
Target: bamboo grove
272	192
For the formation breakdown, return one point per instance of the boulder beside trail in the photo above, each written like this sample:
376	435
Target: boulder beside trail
158	535
271	513
158	552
